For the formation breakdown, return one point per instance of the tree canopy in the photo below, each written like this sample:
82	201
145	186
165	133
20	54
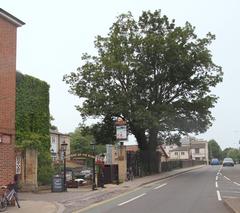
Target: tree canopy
154	74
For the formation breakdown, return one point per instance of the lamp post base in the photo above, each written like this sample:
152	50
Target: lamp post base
94	187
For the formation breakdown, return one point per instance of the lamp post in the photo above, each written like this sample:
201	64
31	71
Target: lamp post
102	173
93	143
64	148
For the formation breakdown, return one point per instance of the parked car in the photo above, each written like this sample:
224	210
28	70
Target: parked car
215	161
80	181
228	162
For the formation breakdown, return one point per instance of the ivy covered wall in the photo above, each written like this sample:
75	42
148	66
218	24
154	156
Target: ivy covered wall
33	121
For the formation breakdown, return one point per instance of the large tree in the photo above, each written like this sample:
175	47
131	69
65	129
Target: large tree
154	74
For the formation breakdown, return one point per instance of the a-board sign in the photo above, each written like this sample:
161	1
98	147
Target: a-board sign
57	184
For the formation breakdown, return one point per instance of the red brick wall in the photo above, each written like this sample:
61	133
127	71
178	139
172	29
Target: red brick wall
7	99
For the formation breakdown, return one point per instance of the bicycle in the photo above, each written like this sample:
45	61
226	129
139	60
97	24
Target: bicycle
9	194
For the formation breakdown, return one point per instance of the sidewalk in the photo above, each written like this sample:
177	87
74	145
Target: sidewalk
75	199
233	204
28	206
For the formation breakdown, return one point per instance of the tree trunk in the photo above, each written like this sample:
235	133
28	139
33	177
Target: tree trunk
153	156
149	158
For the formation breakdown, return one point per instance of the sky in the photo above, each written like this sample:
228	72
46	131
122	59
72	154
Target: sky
58	32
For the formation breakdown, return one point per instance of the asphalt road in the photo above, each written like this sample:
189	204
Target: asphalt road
229	181
197	191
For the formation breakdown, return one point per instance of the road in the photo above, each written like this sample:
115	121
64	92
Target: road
196	191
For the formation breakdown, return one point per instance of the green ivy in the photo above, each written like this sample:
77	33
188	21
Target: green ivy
33	121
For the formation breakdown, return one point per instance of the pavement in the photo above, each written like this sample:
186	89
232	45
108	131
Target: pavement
230	190
76	199
233	204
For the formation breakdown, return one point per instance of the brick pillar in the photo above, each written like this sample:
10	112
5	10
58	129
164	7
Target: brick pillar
29	172
7	100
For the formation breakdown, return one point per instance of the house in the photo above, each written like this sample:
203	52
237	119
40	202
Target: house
192	148
9	163
58	138
180	153
198	148
169	148
164	156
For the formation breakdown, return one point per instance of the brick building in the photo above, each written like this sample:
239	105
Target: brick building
8	37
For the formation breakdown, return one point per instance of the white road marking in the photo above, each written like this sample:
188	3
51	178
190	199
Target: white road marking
227	178
216	178
219	196
237	183
160	186
216	184
132	199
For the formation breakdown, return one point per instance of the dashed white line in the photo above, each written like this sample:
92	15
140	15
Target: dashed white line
216	178
219	196
132	199
216	184
160	186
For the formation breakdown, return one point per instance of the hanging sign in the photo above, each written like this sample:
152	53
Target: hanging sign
121	132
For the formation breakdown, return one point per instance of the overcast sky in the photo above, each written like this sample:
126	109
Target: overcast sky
57	32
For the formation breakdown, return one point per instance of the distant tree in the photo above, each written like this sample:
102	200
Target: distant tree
232	153
155	75
225	152
214	150
81	143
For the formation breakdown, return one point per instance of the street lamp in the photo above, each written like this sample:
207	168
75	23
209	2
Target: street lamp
64	148
93	143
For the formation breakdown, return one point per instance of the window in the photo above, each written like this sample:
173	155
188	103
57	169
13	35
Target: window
176	153
53	139
182	153
197	150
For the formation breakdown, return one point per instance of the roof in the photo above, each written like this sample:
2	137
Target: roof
197	145
10	18
180	148
56	132
191	146
163	151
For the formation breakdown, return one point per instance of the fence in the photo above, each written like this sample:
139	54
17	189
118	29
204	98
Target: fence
177	164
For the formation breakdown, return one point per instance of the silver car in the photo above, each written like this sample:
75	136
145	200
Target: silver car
228	162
